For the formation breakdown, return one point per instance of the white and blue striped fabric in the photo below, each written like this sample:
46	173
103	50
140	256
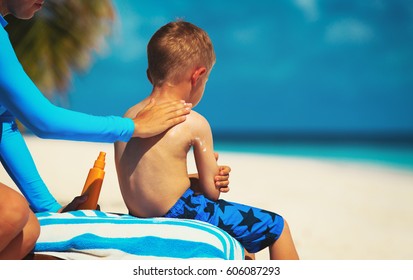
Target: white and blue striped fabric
87	234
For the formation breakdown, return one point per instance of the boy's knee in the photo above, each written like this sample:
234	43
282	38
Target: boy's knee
286	227
286	224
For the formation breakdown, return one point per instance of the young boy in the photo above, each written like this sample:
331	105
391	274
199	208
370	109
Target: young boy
152	172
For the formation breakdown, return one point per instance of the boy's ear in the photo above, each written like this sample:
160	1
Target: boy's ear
198	73
149	76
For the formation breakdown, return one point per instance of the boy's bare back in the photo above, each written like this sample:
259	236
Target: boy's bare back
152	172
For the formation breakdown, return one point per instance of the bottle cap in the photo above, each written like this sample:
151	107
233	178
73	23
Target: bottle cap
100	161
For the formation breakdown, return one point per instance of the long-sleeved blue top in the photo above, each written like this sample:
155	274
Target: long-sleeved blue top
20	98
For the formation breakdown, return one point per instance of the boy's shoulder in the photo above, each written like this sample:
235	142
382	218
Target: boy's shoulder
196	118
198	123
134	110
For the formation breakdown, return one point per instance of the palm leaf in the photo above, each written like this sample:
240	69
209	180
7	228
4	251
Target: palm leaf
60	39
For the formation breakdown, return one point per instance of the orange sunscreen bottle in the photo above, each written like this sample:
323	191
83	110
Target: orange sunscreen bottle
93	183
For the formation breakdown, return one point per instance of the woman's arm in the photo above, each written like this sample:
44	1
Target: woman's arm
24	100
17	161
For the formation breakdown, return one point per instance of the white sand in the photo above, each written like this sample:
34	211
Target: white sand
336	210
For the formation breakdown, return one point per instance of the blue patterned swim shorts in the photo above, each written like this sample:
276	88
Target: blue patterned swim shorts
254	228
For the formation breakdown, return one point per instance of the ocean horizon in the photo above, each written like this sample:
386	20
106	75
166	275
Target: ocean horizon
395	154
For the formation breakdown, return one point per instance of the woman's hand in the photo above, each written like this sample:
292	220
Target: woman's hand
155	119
72	206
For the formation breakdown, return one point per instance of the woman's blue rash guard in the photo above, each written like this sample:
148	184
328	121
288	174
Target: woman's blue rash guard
19	97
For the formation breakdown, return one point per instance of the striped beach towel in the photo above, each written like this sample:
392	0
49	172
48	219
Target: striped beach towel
88	234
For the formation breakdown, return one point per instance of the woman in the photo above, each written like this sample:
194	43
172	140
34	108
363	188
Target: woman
19	97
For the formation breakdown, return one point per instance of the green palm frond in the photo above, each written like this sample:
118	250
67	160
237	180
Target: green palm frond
60	39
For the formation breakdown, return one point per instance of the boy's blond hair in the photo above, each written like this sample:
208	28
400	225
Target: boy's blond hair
176	48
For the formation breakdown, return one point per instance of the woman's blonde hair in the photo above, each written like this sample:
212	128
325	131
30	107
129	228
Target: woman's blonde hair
176	48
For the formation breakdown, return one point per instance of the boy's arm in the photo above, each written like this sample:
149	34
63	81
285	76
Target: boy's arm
205	160
221	179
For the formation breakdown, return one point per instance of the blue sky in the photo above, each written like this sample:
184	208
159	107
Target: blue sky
298	66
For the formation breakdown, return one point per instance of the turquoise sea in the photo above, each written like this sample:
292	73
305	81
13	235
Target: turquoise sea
392	155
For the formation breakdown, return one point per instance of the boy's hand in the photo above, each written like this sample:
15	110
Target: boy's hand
155	119
222	179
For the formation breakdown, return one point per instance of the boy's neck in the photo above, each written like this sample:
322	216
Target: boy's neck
169	92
